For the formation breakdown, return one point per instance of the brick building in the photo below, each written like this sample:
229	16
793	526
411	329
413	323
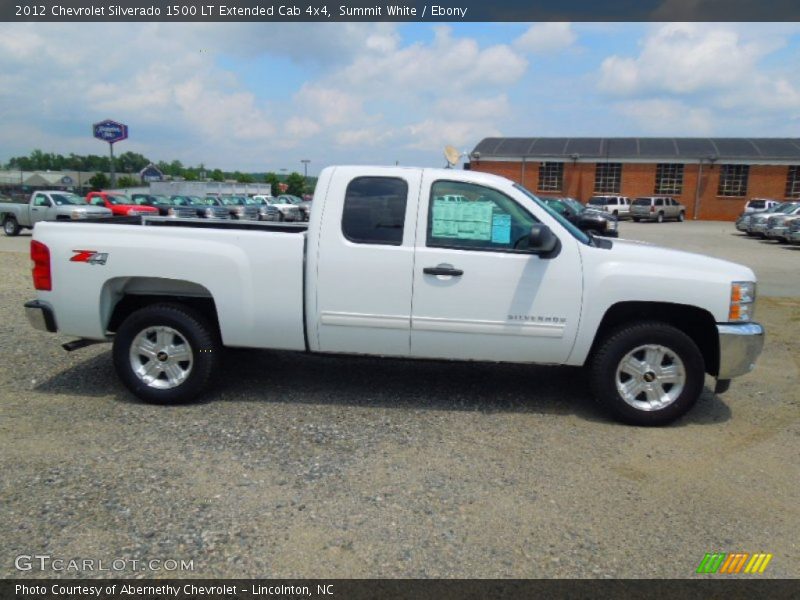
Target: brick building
712	177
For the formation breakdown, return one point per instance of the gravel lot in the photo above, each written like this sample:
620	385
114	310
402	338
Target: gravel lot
303	466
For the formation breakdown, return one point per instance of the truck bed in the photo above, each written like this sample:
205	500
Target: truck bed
274	226
253	272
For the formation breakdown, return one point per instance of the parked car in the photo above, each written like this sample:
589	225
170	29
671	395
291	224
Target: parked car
585	219
657	208
47	205
793	235
745	221
759	204
287	210
619	206
119	204
383	270
236	207
166	206
266	211
777	228
757	226
202	208
304	206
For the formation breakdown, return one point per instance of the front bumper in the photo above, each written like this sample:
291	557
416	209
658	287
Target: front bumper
40	316
758	228
777	233
739	346
794	237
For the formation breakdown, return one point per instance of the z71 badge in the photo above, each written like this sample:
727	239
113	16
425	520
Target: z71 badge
90	256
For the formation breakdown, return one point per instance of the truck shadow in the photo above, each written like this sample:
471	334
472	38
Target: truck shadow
290	377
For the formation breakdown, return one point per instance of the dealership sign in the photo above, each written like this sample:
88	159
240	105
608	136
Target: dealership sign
110	131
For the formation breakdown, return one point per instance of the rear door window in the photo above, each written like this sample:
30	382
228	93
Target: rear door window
375	210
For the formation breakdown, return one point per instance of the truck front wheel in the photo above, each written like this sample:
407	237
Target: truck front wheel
11	227
647	373
166	353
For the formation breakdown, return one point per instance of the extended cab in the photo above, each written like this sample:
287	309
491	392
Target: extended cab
46	205
388	266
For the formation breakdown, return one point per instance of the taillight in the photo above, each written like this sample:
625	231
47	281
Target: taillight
652	208
40	255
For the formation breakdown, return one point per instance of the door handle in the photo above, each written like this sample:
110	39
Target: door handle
443	271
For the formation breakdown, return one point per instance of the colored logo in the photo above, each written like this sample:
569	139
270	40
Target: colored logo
734	562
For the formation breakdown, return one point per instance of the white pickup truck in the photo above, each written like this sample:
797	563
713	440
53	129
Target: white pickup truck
390	266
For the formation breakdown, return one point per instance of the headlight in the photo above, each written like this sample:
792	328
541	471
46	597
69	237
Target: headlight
171	212
611	225
209	213
743	298
133	212
78	214
240	210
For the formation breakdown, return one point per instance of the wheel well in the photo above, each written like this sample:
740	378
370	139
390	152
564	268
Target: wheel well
695	322
133	302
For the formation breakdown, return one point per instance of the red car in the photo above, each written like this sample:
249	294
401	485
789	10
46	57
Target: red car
120	204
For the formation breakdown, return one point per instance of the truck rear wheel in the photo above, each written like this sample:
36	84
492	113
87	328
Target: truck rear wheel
166	353
11	227
647	373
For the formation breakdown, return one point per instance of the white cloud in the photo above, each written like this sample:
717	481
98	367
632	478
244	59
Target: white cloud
544	38
667	117
301	127
683	58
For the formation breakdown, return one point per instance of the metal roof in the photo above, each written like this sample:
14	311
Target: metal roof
784	150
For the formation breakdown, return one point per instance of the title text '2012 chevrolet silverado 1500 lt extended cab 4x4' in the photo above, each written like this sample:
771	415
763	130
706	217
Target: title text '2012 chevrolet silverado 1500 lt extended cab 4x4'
391	265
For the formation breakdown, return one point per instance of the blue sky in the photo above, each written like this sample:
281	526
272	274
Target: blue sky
257	96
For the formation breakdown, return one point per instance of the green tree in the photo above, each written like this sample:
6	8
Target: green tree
296	183
126	181
245	178
99	181
217	175
272	179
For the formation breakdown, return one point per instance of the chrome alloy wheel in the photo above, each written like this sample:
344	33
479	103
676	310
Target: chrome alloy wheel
161	357
650	377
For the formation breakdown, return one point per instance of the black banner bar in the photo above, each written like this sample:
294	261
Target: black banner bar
727	588
404	11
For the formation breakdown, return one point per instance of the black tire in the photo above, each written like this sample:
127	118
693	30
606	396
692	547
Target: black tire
615	213
281	217
681	217
660	217
636	219
10	226
204	347
618	344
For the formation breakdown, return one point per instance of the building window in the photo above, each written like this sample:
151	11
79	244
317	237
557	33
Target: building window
733	180
607	178
669	179
551	176
793	183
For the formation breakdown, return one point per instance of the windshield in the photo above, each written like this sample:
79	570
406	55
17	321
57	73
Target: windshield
64	199
574	231
118	199
233	201
787	208
574	204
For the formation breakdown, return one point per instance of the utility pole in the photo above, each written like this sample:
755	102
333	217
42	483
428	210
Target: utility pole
305	162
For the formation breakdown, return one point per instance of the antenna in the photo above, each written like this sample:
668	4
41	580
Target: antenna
452	155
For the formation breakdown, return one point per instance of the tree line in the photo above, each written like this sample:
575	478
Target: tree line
128	165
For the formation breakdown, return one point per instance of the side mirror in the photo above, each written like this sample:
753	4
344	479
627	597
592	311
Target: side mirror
541	240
